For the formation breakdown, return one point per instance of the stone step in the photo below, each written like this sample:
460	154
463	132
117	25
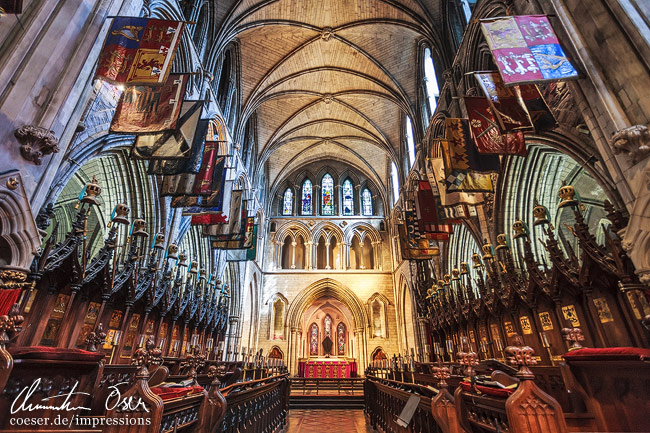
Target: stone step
326	402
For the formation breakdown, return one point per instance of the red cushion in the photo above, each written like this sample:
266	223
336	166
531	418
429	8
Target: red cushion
495	392
54	353
488	390
168	393
612	353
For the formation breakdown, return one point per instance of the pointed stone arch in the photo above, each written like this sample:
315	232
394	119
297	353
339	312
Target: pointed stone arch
19	237
328	287
277	313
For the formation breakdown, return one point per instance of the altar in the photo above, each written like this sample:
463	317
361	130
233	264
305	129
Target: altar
327	368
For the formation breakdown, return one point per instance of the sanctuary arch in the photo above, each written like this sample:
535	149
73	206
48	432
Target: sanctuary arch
327	307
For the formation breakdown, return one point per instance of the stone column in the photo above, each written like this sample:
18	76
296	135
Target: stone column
376	250
423	341
230	336
362	264
308	258
293	254
276	255
360	355
327	255
293	352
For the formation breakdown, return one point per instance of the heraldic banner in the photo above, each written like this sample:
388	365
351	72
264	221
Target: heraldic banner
526	49
144	109
139	50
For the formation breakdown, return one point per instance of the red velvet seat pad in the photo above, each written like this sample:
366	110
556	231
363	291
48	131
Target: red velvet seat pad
488	390
168	393
495	392
54	354
612	353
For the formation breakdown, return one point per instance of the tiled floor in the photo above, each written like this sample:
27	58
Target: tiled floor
327	421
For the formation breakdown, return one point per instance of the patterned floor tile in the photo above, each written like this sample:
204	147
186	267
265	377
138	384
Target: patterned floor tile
326	421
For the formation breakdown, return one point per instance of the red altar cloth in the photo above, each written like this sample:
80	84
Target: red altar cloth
327	369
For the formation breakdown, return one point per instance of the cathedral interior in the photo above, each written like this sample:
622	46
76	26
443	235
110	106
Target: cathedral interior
325	215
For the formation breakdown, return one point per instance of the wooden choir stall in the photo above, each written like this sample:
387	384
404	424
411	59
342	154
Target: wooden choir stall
127	340
527	346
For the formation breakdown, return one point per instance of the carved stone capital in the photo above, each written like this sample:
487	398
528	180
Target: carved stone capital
633	141
36	142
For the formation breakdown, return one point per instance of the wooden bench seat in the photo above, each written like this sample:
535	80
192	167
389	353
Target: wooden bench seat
385	399
616	383
527	409
32	379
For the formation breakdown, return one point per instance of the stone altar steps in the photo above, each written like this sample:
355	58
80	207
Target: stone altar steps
314	402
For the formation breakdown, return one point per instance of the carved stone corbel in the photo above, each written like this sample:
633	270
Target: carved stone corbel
36	142
633	141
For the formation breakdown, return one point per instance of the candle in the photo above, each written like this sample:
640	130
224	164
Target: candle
544	337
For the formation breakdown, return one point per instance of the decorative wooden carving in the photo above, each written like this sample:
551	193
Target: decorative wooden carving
10	326
574	336
147	403
529	409
215	409
443	406
95	338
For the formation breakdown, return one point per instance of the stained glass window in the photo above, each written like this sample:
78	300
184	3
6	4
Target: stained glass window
307	207
287	202
348	198
327	185
340	338
327	325
313	340
366	202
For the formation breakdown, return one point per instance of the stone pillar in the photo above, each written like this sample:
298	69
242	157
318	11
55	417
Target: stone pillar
346	256
276	255
231	335
293	254
327	255
308	258
423	341
362	264
293	352
376	250
360	352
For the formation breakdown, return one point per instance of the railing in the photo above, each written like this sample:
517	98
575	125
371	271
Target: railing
385	400
314	386
256	406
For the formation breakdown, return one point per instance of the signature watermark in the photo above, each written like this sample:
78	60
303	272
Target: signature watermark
65	409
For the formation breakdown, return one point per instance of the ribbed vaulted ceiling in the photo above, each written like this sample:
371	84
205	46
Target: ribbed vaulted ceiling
329	79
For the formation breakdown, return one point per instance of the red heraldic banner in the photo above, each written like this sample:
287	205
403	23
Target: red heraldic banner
485	130
508	108
526	49
145	109
139	50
